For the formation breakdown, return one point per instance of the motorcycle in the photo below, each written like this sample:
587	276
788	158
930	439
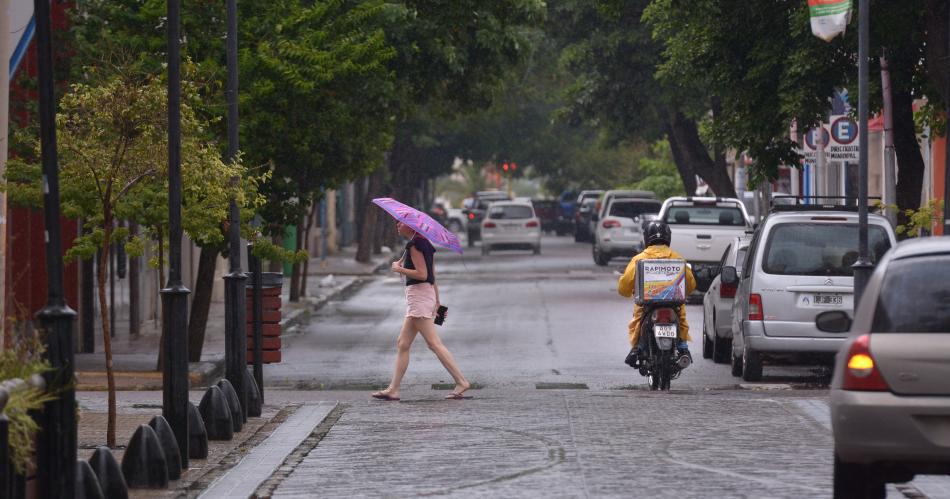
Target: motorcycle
661	363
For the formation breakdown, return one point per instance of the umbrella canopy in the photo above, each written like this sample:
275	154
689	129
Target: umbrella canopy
423	224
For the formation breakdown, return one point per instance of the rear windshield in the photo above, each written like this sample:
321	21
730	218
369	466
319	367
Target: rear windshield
819	249
705	215
510	212
914	297
631	209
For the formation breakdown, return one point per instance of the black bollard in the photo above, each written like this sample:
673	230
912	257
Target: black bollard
234	403
216	414
166	437
87	484
254	405
197	435
143	464
107	470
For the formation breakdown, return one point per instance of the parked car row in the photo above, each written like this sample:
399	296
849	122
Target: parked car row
784	293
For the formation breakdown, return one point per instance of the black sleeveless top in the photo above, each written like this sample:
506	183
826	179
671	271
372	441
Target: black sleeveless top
425	247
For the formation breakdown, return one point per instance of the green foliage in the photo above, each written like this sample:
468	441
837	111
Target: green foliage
924	219
659	172
23	359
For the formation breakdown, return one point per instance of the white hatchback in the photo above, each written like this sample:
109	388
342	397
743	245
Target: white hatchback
511	225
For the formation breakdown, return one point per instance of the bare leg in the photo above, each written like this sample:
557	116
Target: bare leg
403	344
427	328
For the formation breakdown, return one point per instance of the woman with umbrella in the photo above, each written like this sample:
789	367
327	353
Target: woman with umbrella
422	294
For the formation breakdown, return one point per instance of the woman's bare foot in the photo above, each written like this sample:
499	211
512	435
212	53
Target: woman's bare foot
460	389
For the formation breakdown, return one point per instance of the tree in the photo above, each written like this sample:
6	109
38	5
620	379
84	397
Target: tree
113	154
773	71
614	59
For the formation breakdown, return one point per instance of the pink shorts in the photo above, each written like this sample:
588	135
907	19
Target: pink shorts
420	300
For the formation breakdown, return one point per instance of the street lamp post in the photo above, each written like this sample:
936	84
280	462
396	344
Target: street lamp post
863	266
56	449
175	294
234	297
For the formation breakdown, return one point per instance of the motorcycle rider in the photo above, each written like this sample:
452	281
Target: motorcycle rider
657	238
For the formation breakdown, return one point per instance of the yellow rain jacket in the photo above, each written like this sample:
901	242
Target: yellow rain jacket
628	280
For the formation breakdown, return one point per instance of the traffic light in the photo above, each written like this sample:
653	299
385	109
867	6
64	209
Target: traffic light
504	167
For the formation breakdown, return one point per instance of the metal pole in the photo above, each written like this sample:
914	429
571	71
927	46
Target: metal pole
821	164
890	174
234	299
56	448
257	315
4	122
175	294
946	148
863	266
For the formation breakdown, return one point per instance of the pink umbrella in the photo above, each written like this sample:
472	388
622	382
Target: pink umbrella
421	223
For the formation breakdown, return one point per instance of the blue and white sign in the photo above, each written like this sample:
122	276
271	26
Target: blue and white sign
21	31
844	139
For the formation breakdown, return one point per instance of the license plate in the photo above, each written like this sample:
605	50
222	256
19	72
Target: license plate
511	226
827	300
664	331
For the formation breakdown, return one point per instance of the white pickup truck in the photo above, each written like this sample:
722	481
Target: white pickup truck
702	229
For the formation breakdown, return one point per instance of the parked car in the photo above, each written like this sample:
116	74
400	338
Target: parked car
608	196
717	304
890	394
618	233
511	225
583	221
475	212
457	220
798	265
547	210
702	228
565	219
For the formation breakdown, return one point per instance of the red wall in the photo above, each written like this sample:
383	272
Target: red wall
939	172
25	284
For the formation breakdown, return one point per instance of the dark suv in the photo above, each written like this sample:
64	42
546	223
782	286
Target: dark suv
475	213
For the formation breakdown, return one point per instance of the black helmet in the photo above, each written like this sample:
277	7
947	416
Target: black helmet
657	232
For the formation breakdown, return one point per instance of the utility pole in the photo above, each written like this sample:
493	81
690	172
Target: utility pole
175	294
234	294
862	267
56	445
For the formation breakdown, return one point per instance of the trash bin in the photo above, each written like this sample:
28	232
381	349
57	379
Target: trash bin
271	282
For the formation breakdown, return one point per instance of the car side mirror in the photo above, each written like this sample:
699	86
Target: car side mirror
729	276
833	321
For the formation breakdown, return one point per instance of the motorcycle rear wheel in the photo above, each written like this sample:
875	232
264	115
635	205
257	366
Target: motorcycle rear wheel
665	370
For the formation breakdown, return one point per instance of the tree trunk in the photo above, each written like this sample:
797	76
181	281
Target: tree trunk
295	269
201	301
87	303
314	211
106	332
367	237
685	169
910	171
135	297
693	154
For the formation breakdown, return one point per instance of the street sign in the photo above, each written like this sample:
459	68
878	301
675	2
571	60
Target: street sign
844	139
829	18
21	31
810	149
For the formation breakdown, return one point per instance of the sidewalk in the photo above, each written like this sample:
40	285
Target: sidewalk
135	359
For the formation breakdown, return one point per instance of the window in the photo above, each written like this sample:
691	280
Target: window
510	212
632	209
705	215
914	297
753	248
722	261
740	258
819	249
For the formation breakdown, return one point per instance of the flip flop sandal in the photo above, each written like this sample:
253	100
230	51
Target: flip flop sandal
457	396
384	396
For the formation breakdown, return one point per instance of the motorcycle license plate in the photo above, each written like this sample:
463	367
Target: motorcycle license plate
664	331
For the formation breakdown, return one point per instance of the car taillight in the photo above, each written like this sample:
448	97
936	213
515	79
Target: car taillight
490	225
663	316
471	216
532	223
611	224
861	373
755	307
727	290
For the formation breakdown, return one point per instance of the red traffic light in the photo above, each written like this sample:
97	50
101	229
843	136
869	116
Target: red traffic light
504	167
514	166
